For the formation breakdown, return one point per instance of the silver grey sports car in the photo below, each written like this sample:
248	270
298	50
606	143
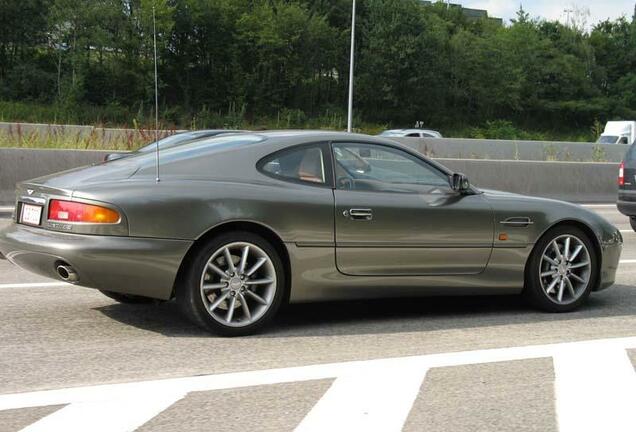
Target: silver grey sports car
240	224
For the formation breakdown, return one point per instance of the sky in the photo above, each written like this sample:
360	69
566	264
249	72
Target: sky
599	10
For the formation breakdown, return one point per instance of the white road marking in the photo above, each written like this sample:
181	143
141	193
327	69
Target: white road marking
369	400
35	285
175	388
6	209
121	415
589	382
627	231
628	261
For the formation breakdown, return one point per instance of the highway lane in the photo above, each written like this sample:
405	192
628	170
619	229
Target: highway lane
57	337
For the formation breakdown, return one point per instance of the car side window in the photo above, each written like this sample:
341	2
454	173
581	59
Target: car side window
301	164
413	135
371	167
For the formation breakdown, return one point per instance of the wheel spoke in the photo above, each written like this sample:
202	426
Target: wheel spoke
570	288
576	252
259	281
246	251
552	273
579	265
246	308
566	248
256	266
550	288
550	260
216	270
210	287
555	246
577	277
218	301
228	260
256	297
230	310
561	290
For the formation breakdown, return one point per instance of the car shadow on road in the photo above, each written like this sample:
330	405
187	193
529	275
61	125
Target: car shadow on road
385	316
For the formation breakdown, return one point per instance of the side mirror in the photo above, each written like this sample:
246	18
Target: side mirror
460	183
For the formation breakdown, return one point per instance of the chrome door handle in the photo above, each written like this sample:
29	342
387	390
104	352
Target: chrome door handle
358	214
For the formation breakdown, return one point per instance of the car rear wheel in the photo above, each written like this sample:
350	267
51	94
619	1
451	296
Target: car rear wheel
234	285
562	270
128	298
632	222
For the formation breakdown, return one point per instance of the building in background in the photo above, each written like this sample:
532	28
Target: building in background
471	14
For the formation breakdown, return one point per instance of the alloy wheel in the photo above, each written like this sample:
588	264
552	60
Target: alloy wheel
238	284
565	269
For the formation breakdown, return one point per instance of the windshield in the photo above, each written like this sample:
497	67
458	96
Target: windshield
607	139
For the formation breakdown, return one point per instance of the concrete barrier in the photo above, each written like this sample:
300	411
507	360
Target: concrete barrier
456	148
17	165
98	137
579	182
572	181
450	148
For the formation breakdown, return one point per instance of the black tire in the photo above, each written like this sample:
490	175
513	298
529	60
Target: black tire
632	222
189	296
128	298
533	291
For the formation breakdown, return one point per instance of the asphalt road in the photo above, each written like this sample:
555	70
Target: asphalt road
58	342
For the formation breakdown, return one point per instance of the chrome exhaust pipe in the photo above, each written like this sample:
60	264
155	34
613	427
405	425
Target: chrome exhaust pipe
67	273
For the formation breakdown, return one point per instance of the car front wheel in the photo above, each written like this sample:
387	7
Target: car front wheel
234	285
562	270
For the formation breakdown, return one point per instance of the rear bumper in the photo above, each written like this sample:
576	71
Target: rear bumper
140	266
628	208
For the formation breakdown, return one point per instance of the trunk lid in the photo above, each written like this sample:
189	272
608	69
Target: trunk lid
38	191
71	179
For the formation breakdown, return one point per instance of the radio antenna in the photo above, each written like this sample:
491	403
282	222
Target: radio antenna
154	31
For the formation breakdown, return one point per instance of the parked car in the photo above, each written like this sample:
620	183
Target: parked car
173	141
618	132
411	133
240	224
626	203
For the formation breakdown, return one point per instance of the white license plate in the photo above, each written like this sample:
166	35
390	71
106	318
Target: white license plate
31	214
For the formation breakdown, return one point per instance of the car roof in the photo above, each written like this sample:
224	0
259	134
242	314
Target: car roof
412	131
291	136
256	145
281	139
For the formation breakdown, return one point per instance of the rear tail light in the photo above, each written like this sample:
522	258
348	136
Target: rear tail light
621	174
70	211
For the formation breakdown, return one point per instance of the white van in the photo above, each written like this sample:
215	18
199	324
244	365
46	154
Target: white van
618	132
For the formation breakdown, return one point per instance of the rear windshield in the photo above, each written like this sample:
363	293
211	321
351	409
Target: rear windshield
170	141
203	146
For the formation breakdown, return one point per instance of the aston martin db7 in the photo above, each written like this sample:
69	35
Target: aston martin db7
238	225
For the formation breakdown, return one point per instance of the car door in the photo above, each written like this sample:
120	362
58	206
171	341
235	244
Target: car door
396	214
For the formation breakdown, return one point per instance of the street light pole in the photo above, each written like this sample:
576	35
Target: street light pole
351	68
